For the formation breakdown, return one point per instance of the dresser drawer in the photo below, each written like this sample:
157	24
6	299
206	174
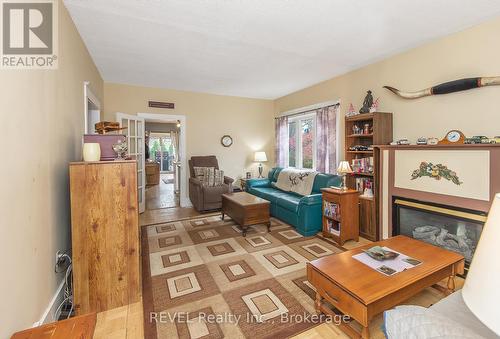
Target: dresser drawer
336	296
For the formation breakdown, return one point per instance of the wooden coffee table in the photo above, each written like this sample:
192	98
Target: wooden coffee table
359	291
246	210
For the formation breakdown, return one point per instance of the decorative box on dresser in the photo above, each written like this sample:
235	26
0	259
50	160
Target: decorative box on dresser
105	235
379	132
340	214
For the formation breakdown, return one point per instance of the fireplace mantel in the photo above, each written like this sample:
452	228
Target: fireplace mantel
477	166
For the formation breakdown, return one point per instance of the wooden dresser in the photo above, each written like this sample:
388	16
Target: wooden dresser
105	235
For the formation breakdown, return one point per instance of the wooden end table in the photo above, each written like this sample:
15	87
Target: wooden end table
362	292
246	210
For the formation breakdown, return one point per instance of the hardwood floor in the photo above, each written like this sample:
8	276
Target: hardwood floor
162	195
151	217
127	322
124	322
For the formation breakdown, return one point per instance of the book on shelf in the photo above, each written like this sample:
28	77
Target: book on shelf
363	183
333	227
362	165
331	210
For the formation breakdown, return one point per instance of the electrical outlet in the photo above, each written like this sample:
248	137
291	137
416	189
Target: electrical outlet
59	260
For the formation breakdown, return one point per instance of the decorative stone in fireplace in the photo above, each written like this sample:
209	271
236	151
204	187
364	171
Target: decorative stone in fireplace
452	228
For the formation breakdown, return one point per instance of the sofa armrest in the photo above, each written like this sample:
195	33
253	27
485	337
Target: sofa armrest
258	183
313	199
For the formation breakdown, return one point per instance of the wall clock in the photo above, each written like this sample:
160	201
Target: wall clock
453	137
226	141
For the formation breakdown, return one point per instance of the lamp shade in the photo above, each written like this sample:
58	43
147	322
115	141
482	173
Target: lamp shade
260	157
344	168
481	290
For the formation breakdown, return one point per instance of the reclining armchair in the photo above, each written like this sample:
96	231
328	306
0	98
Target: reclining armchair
206	198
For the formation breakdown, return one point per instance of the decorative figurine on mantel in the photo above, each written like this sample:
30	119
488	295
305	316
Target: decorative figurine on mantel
367	103
351	112
374	106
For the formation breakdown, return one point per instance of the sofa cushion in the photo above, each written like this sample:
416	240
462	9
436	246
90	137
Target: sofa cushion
269	193
276	173
289	201
323	180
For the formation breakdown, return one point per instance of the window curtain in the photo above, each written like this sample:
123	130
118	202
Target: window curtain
281	134
326	139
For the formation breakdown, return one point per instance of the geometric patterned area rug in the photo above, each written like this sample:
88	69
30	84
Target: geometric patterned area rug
203	279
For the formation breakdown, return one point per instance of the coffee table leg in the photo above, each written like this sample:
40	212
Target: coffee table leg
317	303
269	226
244	228
451	283
365	333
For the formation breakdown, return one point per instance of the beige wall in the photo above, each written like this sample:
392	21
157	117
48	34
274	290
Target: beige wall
474	52
42	119
208	118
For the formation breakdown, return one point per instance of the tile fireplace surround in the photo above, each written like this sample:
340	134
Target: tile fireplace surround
475	167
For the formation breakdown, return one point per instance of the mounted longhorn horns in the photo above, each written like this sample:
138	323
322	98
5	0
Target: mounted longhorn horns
448	87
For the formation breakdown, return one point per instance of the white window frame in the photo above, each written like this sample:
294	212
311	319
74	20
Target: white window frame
298	151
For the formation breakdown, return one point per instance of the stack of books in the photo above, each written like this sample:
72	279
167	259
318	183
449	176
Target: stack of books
331	210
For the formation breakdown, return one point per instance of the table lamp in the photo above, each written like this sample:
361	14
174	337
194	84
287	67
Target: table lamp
343	169
481	290
260	157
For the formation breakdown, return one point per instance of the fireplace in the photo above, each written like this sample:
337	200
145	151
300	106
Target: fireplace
452	228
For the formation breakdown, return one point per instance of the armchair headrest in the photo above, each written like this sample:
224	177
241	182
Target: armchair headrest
202	161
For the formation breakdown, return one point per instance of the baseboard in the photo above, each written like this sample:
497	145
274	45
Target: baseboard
48	315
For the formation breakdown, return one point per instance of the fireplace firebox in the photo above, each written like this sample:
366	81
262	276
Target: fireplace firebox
449	227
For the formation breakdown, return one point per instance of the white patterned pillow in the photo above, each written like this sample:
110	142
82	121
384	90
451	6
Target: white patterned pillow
218	177
200	173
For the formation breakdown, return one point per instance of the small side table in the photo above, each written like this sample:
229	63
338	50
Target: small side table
340	214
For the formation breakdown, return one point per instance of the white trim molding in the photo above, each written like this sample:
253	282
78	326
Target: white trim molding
49	313
312	107
88	95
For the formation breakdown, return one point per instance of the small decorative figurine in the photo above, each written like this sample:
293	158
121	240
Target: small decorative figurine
356	129
120	149
422	141
432	141
367	103
374	106
351	112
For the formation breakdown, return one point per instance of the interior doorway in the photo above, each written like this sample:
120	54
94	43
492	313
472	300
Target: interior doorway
165	156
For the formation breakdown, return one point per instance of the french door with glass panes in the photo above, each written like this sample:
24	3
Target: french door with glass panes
135	141
162	151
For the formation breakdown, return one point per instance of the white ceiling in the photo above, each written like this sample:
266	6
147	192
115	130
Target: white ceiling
258	48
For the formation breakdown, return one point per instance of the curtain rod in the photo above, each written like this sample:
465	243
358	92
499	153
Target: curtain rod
307	109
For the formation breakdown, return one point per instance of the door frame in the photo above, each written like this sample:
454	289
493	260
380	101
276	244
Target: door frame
183	180
88	94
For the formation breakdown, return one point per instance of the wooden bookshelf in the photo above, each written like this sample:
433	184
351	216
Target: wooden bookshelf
340	215
379	133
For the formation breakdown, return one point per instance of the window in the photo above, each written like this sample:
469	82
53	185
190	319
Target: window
302	141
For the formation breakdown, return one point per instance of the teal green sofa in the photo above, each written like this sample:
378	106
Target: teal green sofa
303	212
